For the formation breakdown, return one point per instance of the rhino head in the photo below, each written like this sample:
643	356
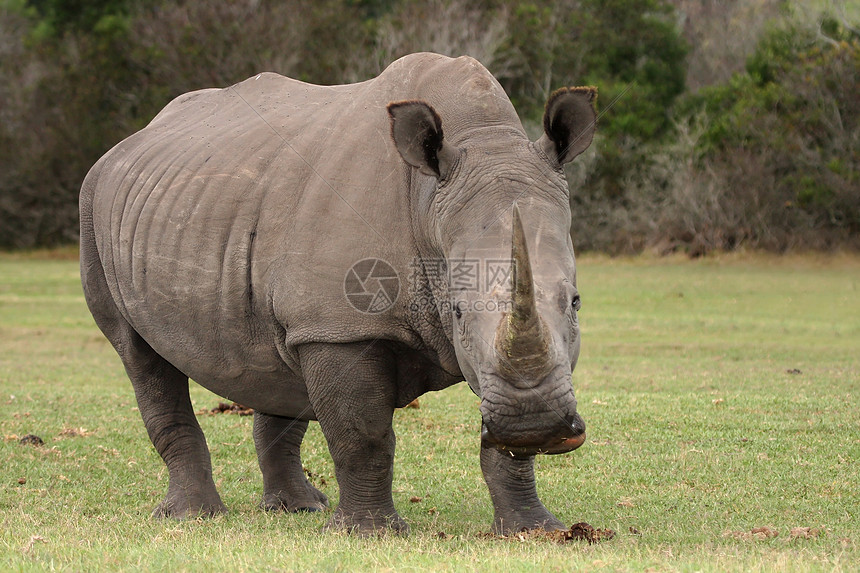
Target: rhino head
496	196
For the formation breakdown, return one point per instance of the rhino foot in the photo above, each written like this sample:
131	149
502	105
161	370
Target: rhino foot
367	524
285	483
310	500
524	521
189	506
516	504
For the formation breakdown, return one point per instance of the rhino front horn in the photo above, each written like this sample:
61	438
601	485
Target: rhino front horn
522	339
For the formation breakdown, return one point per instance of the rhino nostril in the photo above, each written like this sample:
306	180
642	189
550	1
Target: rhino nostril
576	424
485	434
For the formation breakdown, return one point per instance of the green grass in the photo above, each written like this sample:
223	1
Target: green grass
697	429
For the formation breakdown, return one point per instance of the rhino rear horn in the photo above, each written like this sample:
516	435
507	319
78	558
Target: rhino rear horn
417	133
569	123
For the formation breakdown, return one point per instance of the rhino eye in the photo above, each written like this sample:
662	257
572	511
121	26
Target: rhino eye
576	304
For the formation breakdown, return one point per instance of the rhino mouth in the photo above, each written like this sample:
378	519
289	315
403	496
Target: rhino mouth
559	445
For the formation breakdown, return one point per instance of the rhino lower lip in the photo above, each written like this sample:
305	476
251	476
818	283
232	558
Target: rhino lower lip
557	446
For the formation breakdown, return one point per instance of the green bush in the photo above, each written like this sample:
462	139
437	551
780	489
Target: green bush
72	91
794	113
767	159
631	49
81	76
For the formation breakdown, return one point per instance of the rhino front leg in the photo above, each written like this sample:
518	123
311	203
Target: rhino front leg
285	487
352	390
511	481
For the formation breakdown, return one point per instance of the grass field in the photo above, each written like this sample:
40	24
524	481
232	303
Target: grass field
721	395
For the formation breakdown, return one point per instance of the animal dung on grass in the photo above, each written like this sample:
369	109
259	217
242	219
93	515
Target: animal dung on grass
581	531
234	408
585	532
31	440
74	433
755	534
804	532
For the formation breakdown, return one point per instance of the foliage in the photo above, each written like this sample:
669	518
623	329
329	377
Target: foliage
57	17
618	45
633	52
70	93
450	27
765	156
793	118
721	35
75	84
768	159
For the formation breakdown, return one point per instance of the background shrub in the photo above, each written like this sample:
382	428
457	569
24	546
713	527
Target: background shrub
720	126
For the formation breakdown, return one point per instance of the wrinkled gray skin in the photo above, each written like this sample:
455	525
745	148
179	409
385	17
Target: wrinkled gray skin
215	242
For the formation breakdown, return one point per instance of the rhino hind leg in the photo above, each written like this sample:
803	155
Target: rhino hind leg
164	404
285	486
162	397
511	481
352	389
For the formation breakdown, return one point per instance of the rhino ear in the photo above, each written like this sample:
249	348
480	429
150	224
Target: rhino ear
569	122
417	133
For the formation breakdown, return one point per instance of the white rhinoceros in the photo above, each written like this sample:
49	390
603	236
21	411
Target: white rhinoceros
327	253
